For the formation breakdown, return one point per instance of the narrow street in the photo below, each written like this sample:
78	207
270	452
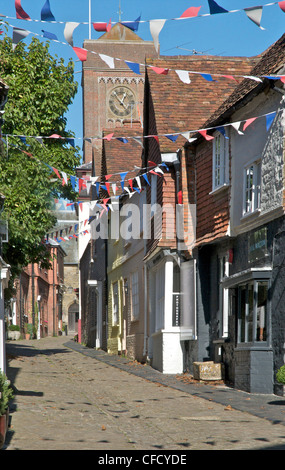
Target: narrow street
67	399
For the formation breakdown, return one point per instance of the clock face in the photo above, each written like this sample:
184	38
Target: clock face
122	101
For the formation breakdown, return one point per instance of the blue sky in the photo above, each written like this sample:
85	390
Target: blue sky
218	34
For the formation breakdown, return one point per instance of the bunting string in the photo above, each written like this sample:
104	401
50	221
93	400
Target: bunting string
184	75
125	139
190	13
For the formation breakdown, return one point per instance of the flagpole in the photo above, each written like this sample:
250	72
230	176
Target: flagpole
89	19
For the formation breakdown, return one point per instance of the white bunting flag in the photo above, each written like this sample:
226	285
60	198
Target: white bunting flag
68	32
155	28
254	14
108	60
236	127
183	75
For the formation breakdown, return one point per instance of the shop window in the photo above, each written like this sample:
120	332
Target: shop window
253	312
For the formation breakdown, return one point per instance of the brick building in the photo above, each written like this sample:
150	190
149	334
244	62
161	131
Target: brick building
39	296
240	230
104	89
174	107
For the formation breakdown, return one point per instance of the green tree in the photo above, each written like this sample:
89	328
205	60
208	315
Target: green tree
41	88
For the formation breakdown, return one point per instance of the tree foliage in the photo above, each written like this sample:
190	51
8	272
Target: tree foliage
41	88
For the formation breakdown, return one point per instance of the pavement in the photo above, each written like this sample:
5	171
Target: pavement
71	397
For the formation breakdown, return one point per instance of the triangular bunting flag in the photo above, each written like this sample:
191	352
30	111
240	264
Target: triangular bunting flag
102	26
254	14
269	120
215	8
160	70
207	77
20	13
183	75
190	12
221	129
134	67
46	14
108	137
48	35
172	137
155	28
236	126
68	32
133	25
205	135
81	53
282	5
18	35
145	177
108	60
248	122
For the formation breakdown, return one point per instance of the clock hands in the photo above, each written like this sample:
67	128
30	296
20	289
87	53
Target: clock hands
122	100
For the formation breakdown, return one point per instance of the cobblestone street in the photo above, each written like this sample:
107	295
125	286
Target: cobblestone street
68	397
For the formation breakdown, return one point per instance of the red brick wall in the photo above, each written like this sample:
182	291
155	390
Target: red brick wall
212	209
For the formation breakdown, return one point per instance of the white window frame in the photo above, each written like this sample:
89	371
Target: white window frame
251	187
160	294
153	194
135	295
115	303
223	295
220	161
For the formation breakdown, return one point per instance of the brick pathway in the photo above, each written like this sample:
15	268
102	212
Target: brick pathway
68	397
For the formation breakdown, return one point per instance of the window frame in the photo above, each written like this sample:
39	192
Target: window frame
223	273
135	303
223	166
115	315
255	188
251	276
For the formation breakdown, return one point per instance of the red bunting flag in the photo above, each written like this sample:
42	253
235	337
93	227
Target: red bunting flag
102	26
131	183
108	187
160	70
108	137
205	135
20	13
190	12
81	53
282	5
56	172
248	122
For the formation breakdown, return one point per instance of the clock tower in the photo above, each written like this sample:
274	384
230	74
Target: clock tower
112	96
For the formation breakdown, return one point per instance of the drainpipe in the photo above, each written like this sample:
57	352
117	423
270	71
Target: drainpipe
145	349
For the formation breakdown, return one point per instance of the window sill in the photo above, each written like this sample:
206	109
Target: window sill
220	189
248	215
262	345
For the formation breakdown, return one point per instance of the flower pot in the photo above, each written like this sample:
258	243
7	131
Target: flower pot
27	335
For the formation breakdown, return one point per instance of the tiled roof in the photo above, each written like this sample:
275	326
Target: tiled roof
269	63
118	156
180	107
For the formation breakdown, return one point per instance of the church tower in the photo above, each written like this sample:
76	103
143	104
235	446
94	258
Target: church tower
112	97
